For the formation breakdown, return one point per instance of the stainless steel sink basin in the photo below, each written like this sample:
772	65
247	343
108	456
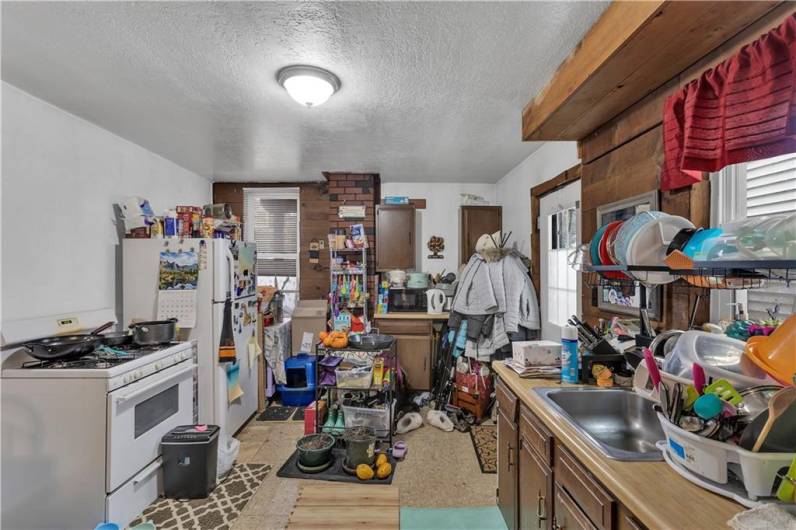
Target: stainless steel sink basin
620	423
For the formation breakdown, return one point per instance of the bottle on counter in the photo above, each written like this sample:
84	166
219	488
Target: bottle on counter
569	355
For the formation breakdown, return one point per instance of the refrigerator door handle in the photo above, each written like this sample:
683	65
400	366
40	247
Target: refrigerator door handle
231	260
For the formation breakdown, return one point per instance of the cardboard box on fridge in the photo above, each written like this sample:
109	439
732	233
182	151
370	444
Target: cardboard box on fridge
536	352
310	317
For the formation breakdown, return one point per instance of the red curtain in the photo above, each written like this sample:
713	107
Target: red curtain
743	109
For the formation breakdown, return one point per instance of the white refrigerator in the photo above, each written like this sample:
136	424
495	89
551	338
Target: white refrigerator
227	270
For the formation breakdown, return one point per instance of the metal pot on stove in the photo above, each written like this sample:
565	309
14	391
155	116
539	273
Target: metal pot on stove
154	332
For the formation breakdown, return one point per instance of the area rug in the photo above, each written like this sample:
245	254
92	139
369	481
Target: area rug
276	413
217	512
477	518
299	415
484	438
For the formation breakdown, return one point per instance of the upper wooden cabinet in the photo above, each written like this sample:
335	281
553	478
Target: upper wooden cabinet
632	49
475	221
395	237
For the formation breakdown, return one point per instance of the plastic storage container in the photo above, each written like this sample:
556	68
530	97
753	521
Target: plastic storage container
300	376
713	460
358	377
377	419
190	456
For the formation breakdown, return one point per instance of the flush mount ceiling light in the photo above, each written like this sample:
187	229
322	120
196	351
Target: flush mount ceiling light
309	85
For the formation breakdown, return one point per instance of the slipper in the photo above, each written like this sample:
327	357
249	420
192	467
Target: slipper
440	420
409	422
399	450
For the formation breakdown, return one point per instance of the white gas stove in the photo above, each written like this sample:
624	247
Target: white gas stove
81	437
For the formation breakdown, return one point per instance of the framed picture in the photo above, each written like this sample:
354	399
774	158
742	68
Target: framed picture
625	297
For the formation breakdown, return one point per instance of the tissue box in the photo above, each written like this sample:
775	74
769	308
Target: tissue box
536	353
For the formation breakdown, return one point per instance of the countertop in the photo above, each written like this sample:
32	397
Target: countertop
411	316
656	494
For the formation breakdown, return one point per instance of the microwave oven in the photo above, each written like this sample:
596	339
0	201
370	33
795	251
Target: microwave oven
407	300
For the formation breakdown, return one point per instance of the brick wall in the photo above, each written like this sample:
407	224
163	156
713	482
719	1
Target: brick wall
357	189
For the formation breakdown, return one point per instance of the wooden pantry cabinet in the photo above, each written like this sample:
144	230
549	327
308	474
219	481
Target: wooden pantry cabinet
414	346
541	485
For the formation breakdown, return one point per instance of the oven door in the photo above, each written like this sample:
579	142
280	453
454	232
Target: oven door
140	414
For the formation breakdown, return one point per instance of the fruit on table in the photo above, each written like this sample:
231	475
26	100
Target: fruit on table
381	459
384	470
364	472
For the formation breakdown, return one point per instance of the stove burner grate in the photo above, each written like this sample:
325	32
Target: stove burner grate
101	358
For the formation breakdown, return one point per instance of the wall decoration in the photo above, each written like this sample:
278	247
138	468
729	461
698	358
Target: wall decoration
436	245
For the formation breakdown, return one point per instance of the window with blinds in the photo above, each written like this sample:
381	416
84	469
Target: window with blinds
771	190
271	220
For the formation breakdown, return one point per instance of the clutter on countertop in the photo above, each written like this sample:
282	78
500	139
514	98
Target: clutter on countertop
763	517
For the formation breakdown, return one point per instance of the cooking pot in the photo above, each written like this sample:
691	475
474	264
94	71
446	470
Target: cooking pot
154	332
397	278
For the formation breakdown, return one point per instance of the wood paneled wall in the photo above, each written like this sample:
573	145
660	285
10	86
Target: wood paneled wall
314	223
623	158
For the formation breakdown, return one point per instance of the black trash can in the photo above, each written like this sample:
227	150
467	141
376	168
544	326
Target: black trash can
190	455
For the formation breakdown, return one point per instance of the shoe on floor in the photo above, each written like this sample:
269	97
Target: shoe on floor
331	418
409	422
440	420
339	425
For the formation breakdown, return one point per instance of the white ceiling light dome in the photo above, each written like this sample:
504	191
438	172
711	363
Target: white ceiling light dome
309	85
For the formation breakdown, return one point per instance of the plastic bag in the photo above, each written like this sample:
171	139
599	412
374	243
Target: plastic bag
228	448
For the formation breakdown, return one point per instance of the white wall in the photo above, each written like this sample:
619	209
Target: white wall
440	218
61	177
513	191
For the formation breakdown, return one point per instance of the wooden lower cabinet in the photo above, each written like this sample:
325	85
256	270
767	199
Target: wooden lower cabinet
535	495
507	432
567	514
535	490
414	356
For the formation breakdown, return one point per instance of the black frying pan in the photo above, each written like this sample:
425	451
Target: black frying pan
64	347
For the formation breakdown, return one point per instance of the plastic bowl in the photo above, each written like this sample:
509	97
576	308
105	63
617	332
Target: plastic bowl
628	231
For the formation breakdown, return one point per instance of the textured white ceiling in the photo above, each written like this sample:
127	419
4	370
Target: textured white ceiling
430	91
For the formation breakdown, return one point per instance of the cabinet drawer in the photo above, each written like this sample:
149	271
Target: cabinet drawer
404	327
507	401
536	435
567	514
587	493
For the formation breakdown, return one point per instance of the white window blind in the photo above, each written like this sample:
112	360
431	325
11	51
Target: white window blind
771	190
271	220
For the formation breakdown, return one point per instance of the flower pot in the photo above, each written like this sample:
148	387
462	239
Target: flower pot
315	449
360	446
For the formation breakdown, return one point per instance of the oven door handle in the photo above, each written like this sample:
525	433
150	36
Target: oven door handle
127	397
147	472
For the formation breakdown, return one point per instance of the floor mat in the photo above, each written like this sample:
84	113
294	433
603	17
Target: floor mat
299	415
335	473
217	512
481	518
484	439
276	413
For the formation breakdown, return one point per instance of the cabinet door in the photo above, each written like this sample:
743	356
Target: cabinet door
535	490
567	514
414	356
475	221
507	469
395	237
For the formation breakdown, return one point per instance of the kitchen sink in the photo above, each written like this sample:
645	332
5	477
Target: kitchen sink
620	423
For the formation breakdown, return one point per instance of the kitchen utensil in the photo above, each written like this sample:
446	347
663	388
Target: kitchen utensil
648	247
752	431
781	414
154	331
64	347
663	393
652	368
724	390
787	488
594	246
116	338
755	401
708	406
417	280
699	378
435	300
629	230
646	325
776	354
664	342
606	256
680	239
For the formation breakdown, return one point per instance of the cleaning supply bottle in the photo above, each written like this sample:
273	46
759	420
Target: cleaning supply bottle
569	354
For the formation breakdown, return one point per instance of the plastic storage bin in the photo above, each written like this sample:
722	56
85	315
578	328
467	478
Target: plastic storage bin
358	377
300	375
190	456
713	459
377	419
